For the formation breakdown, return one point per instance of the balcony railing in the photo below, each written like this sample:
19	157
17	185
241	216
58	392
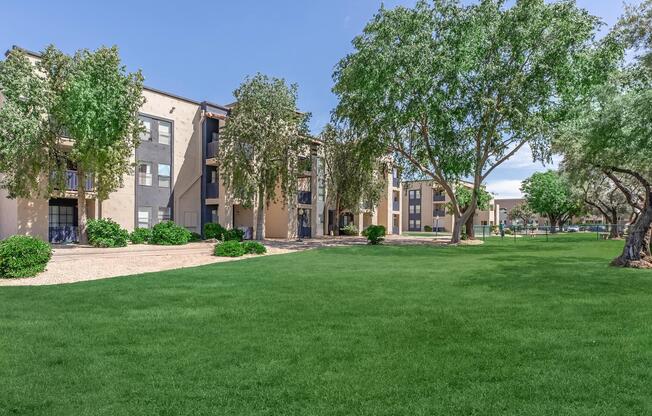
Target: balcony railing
395	182
212	190
63	234
395	230
304	197
397	206
438	198
439	213
72	181
211	150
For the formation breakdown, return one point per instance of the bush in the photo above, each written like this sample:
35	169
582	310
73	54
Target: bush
233	234
23	256
167	233
254	247
508	231
195	237
229	249
349	230
212	230
427	228
106	233
375	234
141	236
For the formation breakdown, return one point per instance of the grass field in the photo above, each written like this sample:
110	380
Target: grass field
507	328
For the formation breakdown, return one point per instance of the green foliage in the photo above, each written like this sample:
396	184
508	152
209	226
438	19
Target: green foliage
261	144
141	235
23	256
168	233
455	90
254	247
229	249
549	193
427	228
214	231
522	212
195	237
464	195
354	176
375	234
106	233
349	229
234	234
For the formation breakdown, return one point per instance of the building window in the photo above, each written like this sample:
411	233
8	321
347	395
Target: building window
164	132
415	194
147	134
144	215
163	175
213	216
164	214
145	174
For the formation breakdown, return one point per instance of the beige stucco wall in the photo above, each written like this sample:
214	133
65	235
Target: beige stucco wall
8	215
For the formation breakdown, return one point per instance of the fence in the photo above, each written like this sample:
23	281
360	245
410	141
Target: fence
601	231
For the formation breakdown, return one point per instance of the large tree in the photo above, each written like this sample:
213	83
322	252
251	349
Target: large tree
612	132
261	144
79	111
354	178
464	196
550	194
454	91
522	212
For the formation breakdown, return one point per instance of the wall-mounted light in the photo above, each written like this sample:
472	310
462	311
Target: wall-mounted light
172	110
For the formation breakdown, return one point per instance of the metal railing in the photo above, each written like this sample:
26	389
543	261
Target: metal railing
304	197
395	230
72	181
211	150
601	231
397	206
438	198
63	234
439	213
396	182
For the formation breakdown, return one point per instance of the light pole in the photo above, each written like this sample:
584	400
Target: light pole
437	226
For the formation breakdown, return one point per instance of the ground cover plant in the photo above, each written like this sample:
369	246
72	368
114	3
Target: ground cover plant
510	327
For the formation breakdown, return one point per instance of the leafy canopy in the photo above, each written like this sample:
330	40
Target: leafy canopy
549	193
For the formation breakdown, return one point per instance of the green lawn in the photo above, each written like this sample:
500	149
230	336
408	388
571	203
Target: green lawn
524	327
424	234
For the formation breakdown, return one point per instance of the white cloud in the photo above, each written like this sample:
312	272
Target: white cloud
505	188
523	159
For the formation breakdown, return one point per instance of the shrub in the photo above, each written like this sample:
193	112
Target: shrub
427	228
106	233
375	234
23	256
254	247
229	249
349	230
195	237
141	236
508	231
233	234
212	230
167	233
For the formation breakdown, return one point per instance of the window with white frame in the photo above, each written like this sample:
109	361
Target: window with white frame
147	134
164	132
164	214
144	217
145	173
163	175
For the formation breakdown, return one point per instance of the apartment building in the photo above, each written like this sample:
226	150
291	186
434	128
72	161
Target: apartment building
176	178
425	204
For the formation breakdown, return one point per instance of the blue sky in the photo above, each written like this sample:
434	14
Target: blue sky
203	50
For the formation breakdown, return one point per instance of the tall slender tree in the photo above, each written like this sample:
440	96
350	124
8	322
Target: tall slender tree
454	91
88	98
354	177
261	144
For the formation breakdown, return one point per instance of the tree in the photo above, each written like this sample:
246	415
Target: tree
354	178
549	194
613	132
454	91
522	212
88	98
464	195
261	144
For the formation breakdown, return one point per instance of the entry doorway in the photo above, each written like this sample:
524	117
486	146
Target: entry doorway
304	225
62	221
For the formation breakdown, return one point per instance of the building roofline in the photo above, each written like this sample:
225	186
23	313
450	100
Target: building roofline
145	87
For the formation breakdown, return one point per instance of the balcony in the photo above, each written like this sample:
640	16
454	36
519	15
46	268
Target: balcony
212	190
305	166
438	198
397	206
304	197
63	234
211	150
439	213
72	181
395	182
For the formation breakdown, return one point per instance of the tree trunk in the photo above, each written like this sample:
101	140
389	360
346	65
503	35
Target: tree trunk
614	232
470	231
336	219
260	215
553	224
81	206
457	231
637	248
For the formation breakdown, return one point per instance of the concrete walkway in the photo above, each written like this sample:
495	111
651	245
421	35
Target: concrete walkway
74	263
